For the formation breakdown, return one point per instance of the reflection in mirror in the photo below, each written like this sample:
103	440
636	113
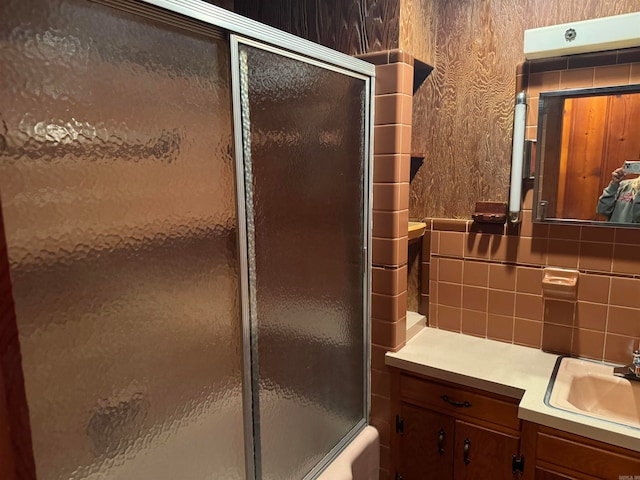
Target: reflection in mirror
584	136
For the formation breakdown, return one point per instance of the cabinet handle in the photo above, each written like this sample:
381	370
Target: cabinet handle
464	404
467	444
441	442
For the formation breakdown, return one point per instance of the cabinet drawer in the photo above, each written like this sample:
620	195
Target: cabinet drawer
589	459
459	401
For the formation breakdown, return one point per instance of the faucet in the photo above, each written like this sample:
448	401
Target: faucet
631	371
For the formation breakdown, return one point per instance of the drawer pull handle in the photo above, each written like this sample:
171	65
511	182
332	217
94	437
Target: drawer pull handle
464	404
441	442
467	444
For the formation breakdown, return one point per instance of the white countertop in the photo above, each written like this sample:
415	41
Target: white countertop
505	369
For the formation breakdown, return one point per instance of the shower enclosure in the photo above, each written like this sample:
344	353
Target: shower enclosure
185	196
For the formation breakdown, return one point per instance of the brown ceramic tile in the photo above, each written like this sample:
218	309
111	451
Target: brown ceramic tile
531	132
424	305
540	231
532	251
592	316
626	259
449	294
450	270
433	269
388	334
385	457
391	168
389	78
432	318
593	288
380	381
529	280
588	344
522	68
500	327
387	139
502	277
578	78
597	234
478	245
475	273
380	406
629	55
634	77
593	59
543	81
377	356
435	243
625	292
486	228
595	257
450	225
546	64
425	276
527	202
559	312
376	58
390	196
449	318
399	55
389	252
526	227
502	302
383	427
618	348
556	338
426	246
564	232
406	86
474	323
532	111
394	224
389	281
528	306
452	244
527	332
630	236
563	253
389	307
388	109
522	82
406	109
623	321
474	298
504	248
612	75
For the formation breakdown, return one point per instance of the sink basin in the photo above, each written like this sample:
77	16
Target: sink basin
590	388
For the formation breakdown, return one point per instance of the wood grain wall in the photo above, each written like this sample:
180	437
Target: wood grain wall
463	113
349	26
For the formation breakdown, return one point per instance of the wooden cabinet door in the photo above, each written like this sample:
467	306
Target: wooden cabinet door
544	474
483	453
426	445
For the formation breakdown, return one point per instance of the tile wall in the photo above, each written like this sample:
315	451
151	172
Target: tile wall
392	149
486	281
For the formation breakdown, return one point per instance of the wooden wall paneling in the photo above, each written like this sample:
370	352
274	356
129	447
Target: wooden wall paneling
581	181
353	27
416	27
622	142
463	113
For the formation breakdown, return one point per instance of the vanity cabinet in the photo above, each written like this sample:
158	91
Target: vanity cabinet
560	455
445	431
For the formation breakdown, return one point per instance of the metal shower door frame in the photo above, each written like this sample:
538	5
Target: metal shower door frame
250	32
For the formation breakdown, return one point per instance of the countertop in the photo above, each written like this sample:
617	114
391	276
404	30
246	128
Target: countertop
502	368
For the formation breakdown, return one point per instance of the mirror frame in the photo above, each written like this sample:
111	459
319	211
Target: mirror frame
538	213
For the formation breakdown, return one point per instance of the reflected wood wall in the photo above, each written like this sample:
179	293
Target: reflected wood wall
463	113
349	26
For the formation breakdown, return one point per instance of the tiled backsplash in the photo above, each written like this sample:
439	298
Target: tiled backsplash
489	284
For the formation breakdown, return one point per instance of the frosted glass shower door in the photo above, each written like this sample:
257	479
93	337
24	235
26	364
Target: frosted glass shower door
118	193
305	145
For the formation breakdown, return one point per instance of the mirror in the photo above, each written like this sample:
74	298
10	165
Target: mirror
583	136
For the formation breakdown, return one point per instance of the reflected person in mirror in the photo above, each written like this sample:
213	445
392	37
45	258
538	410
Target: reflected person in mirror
620	201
